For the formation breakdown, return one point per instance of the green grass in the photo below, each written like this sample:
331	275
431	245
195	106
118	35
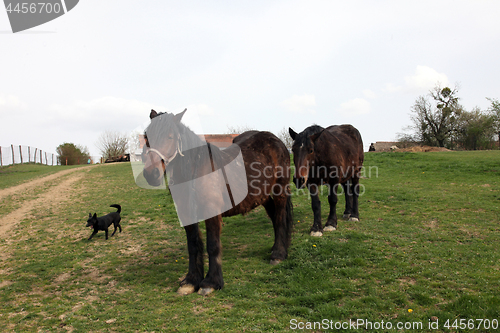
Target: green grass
427	242
12	175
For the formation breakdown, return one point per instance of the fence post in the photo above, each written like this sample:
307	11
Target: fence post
41	162
29	153
52	159
13	161
46	162
1	161
21	153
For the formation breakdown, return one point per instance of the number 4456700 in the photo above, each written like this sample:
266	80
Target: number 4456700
32	7
471	324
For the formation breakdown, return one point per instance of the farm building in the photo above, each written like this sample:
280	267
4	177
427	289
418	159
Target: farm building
219	140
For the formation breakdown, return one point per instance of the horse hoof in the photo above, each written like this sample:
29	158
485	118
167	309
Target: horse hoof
353	219
205	291
316	233
346	216
186	289
329	228
274	262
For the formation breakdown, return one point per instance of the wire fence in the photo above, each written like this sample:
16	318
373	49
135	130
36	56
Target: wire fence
26	154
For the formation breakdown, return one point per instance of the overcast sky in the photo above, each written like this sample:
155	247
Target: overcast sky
260	64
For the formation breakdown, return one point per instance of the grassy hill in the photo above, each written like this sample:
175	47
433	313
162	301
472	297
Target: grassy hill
425	252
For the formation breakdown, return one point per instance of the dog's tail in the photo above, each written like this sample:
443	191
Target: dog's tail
118	207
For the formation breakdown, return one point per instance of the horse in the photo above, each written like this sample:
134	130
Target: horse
173	150
331	156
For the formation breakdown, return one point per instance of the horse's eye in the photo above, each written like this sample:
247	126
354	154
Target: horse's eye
311	151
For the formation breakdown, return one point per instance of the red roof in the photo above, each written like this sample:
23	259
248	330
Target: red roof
220	140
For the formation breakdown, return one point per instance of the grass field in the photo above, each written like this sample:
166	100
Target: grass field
424	254
19	173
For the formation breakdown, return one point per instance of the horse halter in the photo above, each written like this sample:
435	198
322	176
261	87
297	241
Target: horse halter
163	158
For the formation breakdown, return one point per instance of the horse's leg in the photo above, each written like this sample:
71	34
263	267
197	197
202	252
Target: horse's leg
191	282
348	199
331	224
316	229
355	202
271	212
213	280
281	230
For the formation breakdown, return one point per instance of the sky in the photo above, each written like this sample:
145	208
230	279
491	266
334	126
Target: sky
266	65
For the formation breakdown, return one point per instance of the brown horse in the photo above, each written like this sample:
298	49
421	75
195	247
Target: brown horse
212	188
330	156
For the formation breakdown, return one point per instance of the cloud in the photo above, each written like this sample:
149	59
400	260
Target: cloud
300	104
425	78
11	101
357	106
369	94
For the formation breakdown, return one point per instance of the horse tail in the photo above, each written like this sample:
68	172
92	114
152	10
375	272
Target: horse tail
117	207
289	219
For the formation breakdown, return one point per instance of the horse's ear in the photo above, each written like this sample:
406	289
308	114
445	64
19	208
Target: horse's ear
315	137
95	216
152	114
178	116
293	134
90	215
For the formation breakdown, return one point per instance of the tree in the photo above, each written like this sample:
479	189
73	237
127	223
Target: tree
494	110
112	144
238	129
284	136
70	154
475	129
434	121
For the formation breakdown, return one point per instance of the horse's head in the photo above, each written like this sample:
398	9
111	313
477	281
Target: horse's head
163	144
303	153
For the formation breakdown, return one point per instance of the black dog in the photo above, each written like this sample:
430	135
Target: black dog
103	222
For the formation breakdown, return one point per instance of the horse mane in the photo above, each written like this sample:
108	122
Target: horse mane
303	136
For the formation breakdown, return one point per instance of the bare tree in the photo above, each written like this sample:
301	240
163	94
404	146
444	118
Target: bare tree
284	136
112	144
435	121
238	129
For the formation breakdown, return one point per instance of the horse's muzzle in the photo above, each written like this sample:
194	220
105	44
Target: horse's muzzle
153	177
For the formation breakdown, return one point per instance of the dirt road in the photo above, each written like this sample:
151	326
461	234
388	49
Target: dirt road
52	197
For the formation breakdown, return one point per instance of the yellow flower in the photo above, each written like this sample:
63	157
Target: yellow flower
314	245
410	310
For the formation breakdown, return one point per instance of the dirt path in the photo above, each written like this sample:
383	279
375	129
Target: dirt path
35	183
53	196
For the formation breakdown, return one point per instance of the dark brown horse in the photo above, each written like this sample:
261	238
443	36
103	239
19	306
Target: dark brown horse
330	156
212	187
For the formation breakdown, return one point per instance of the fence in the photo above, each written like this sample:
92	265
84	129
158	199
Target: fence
25	154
